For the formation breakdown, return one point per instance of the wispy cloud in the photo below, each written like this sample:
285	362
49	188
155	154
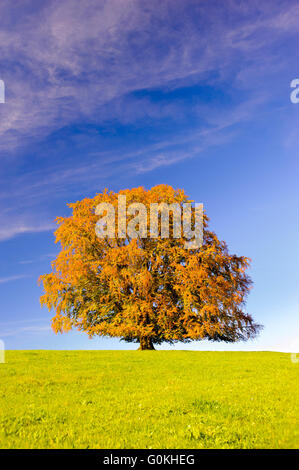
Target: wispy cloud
64	63
25	330
18	229
24	326
12	278
73	60
44	257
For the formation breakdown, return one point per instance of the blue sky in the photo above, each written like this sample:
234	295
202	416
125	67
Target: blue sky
125	93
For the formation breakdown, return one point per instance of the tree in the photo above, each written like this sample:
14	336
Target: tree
146	290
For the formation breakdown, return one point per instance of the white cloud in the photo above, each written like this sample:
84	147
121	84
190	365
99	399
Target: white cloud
73	58
18	229
68	62
12	278
25	330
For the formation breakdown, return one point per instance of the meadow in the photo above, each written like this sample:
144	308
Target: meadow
148	399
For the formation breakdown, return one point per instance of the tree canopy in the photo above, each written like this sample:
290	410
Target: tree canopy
145	290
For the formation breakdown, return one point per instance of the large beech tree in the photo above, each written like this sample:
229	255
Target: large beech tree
145	290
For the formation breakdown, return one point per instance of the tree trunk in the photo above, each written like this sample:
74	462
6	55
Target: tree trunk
146	344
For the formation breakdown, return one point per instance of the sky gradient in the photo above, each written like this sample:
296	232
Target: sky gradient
126	93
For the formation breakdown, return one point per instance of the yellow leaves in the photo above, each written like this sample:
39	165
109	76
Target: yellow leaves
145	283
134	288
61	324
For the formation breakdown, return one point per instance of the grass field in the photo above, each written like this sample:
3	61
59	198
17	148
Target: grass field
148	399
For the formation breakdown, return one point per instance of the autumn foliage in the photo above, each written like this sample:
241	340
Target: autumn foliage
145	290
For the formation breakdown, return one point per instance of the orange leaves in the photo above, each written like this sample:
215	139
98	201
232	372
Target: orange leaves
145	288
61	324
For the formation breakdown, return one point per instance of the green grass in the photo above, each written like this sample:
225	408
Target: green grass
148	399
